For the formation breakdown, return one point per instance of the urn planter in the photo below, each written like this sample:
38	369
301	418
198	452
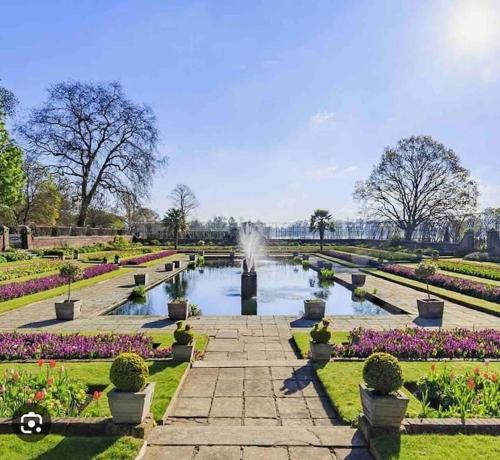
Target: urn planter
141	279
177	263
192	257
129	407
178	310
314	309
182	353
383	410
68	309
321	351
430	308
358	279
169	267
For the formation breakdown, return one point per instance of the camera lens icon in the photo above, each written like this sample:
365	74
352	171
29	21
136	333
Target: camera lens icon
31	423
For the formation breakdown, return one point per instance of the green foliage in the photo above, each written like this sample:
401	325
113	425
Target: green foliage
139	292
183	334
33	268
129	372
382	372
155	242
194	310
70	270
306	264
326	274
321	220
14	256
200	261
382	254
320	333
46	203
481	270
360	293
120	243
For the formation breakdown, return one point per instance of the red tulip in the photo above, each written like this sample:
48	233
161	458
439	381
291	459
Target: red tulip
97	395
39	395
52	363
471	384
40	362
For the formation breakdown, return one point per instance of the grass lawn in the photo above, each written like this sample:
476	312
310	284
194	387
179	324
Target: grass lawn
462	299
56	447
438	447
26	300
341	378
302	340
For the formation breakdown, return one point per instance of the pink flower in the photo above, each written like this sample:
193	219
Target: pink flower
39	395
471	384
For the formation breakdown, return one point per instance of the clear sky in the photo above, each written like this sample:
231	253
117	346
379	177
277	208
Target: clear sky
269	109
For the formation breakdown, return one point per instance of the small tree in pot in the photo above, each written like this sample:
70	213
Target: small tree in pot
321	348
428	308
183	346
69	308
383	404
130	400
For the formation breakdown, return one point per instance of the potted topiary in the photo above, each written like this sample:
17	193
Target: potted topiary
358	279
178	309
130	400
321	348
314	309
182	348
141	279
428	308
383	404
70	308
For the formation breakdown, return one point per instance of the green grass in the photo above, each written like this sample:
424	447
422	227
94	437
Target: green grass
166	374
302	340
438	447
462	299
341	378
56	447
28	299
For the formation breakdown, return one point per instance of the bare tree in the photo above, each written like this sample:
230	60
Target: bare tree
91	134
183	198
418	181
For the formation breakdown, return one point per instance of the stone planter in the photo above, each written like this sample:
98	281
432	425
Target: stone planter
314	309
182	353
328	265
129	407
295	254
358	279
320	264
201	253
432	308
68	310
383	410
178	310
192	257
305	256
177	263
169	267
141	279
321	351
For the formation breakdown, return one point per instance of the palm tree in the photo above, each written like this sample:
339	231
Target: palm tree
321	220
175	221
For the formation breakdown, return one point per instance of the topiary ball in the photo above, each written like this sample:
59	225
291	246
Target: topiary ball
129	372
183	335
382	372
320	332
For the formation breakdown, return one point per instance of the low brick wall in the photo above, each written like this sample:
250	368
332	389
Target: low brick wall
43	242
489	426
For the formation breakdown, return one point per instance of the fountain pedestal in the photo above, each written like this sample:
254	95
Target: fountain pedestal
248	285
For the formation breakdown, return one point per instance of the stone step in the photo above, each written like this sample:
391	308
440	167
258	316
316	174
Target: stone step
185	435
253	363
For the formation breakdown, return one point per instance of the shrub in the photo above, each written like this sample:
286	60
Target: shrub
360	293
435	254
138	292
382	372
120	243
479	257
14	256
326	274
129	372
201	243
306	264
194	310
320	333
183	334
155	242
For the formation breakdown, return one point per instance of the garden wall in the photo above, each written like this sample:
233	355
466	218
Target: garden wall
41	242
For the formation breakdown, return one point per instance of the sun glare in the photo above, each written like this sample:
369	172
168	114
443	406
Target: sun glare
475	25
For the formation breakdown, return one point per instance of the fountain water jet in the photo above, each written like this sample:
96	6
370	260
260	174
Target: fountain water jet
251	245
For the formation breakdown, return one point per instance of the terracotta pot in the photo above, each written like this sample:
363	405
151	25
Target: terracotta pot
383	410
432	308
182	353
129	407
314	309
178	310
68	310
321	351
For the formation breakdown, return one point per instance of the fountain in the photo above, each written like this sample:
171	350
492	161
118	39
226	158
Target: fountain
251	244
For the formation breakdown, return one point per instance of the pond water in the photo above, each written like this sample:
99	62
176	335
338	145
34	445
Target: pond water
282	288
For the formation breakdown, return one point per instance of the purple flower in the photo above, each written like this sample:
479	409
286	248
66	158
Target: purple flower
147	258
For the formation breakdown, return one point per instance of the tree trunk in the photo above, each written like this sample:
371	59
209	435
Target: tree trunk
409	232
176	238
321	237
84	210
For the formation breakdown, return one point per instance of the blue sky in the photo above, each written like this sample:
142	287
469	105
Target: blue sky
269	109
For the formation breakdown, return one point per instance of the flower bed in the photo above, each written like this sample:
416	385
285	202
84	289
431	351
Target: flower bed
18	346
421	344
453	283
467	268
472	394
14	290
354	258
49	389
33	268
147	258
378	253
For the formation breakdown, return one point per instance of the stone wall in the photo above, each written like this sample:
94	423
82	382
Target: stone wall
42	242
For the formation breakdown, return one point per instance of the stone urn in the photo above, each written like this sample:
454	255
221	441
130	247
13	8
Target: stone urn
320	351
68	309
130	407
141	279
178	309
383	410
177	263
192	257
314	309
169	266
430	308
358	279
182	353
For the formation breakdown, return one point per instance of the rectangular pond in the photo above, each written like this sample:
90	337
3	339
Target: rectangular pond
282	288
